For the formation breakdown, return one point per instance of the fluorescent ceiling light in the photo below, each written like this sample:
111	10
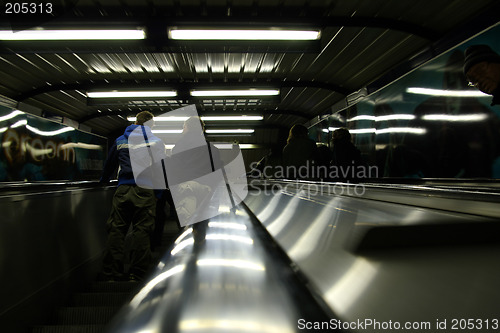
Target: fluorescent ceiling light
121	94
167	131
231	93
204	118
218	34
238	118
447	93
241	145
73	35
232	131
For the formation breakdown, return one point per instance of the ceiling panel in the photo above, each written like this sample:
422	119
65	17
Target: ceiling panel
372	38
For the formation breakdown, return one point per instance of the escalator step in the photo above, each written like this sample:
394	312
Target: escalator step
68	329
85	315
101	299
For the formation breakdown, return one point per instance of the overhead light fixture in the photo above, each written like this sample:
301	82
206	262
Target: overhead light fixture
167	131
205	118
229	131
241	145
447	93
231	118
107	34
235	93
242	34
131	94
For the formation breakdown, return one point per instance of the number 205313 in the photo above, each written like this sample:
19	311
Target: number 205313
28	8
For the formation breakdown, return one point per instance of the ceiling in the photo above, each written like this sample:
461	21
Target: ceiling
361	41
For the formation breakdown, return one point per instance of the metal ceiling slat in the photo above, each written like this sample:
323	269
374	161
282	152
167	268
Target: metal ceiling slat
386	60
19	66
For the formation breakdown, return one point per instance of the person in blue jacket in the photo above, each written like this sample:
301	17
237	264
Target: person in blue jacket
138	154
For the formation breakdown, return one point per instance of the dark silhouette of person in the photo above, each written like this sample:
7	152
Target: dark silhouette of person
482	70
345	156
300	153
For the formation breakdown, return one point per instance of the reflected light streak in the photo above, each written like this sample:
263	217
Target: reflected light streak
227	225
351	286
285	217
81	145
309	239
3	129
243	264
363	131
136	301
49	133
240	239
231	326
410	130
184	235
447	93
395	117
182	245
19	123
401	116
270	208
362	117
11	115
461	117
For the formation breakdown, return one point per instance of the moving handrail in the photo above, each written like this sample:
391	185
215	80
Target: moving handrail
221	274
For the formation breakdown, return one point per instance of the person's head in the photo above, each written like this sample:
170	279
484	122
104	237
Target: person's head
144	118
194	124
341	135
482	68
297	131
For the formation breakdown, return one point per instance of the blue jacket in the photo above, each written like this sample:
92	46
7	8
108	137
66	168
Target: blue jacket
119	154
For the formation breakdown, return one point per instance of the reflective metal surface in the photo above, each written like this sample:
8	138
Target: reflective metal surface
221	276
51	239
421	285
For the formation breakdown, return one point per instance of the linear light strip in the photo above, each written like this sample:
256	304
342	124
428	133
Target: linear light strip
217	34
73	35
228	131
410	130
447	93
234	93
11	115
204	118
121	94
